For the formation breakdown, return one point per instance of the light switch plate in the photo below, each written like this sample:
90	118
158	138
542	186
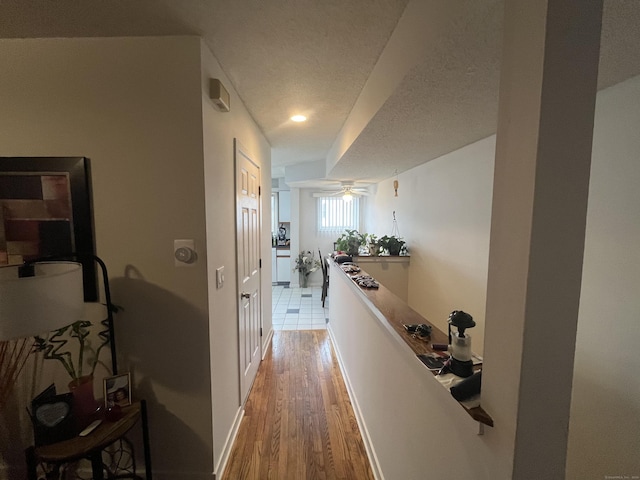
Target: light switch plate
219	277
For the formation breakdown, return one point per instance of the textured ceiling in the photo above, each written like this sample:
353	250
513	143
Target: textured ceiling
282	56
451	98
318	57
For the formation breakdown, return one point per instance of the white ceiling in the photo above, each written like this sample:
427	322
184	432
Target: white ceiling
386	84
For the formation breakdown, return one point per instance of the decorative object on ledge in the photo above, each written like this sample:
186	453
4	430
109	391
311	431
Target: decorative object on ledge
373	244
467	388
339	259
350	241
365	281
392	244
349	267
460	363
433	361
421	330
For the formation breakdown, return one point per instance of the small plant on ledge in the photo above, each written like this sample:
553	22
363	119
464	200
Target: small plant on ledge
392	244
306	264
350	241
374	245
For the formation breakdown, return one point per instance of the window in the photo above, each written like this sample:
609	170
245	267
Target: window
335	215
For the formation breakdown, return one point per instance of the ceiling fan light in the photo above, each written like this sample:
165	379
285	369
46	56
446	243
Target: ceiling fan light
347	197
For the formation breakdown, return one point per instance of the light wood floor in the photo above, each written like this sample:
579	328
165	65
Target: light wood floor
299	423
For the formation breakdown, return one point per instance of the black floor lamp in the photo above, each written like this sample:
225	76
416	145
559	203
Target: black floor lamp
107	323
34	298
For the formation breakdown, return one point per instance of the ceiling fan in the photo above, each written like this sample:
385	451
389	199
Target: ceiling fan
347	190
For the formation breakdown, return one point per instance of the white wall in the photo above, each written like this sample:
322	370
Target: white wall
605	412
219	131
138	107
411	423
443	210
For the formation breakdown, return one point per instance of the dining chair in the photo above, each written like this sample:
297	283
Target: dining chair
325	277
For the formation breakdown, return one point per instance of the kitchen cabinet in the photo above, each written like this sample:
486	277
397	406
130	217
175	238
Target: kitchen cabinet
284	206
283	265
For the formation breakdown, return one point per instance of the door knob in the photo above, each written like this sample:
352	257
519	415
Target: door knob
245	295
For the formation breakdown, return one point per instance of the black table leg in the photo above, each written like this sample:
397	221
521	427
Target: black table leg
96	465
32	464
145	439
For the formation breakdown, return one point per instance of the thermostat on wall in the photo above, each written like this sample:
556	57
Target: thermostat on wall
219	95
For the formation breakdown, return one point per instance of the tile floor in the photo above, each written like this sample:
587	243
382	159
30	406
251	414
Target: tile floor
299	308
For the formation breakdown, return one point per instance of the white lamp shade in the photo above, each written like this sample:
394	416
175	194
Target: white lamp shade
51	299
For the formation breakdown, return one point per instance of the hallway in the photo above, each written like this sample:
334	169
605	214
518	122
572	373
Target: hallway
299	423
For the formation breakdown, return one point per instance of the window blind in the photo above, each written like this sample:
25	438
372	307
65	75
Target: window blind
336	215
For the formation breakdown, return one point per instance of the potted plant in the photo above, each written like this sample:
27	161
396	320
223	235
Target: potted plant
305	266
75	360
374	245
350	241
392	244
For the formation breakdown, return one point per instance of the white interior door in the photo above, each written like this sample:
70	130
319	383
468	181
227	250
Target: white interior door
248	223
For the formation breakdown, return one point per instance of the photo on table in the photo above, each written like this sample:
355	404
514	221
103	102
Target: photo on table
117	390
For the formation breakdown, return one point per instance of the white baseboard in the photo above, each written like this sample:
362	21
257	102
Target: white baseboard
366	438
266	343
231	438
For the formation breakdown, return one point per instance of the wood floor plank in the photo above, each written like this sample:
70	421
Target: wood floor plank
299	422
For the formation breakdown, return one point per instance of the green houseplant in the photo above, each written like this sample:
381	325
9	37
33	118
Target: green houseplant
79	360
374	245
392	244
350	242
306	264
53	343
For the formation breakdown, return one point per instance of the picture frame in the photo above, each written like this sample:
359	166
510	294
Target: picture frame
117	390
47	212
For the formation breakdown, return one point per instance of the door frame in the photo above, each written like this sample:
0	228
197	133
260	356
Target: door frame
238	148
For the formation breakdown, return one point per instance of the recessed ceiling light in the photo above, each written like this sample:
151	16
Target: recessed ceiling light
298	118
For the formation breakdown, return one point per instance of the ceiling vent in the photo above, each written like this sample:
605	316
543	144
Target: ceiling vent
219	95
